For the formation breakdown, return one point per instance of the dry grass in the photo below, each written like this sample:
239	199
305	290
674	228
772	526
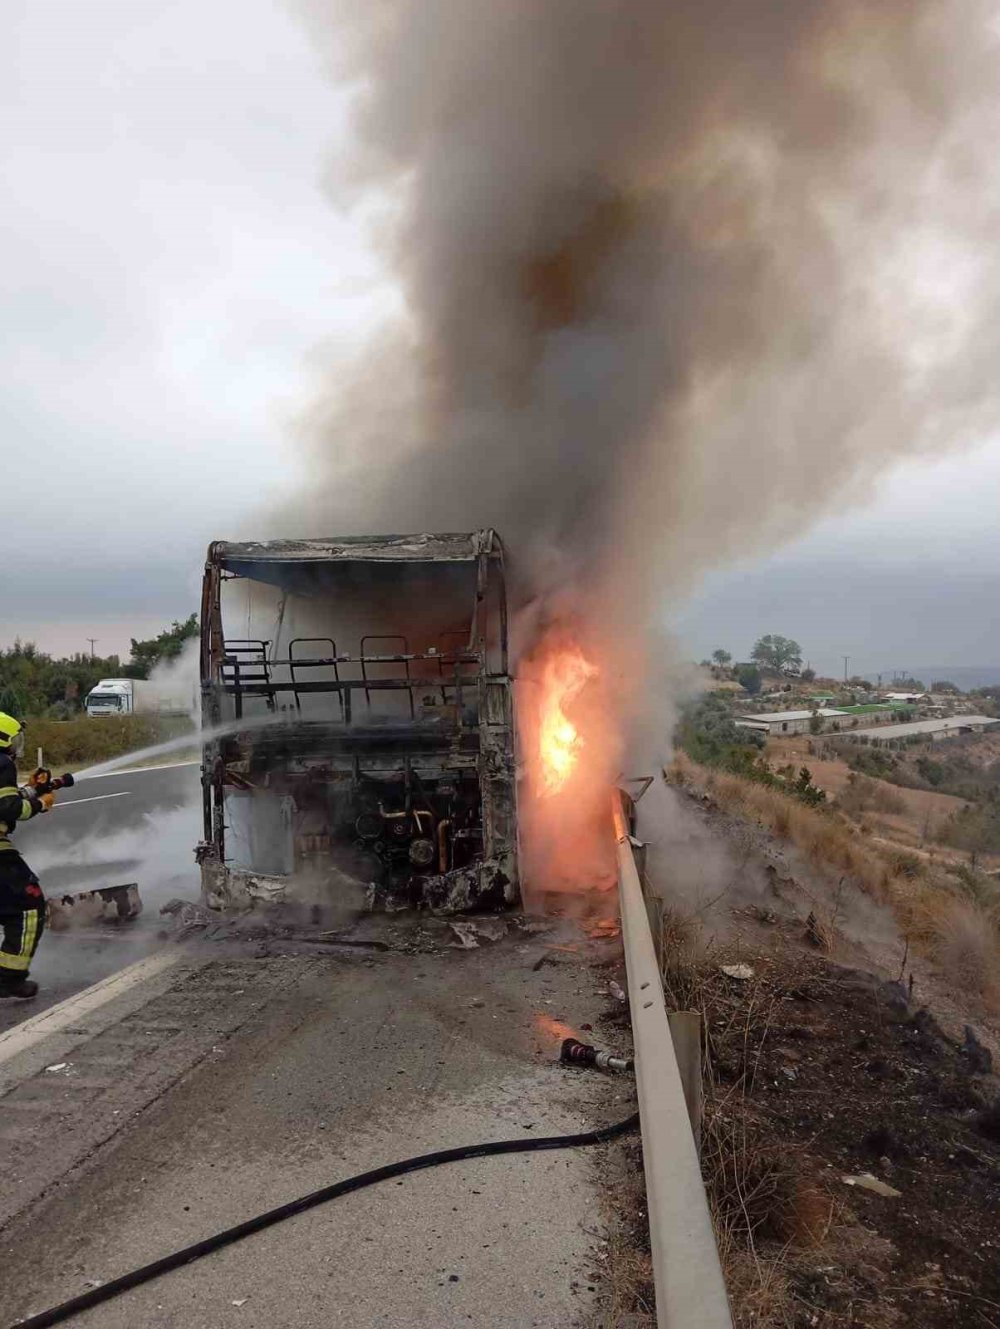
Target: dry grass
825	839
960	931
680	947
627	1295
963	937
627	1282
760	1191
766	1208
863	794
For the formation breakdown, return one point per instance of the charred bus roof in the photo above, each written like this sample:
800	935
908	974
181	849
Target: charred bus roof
424	548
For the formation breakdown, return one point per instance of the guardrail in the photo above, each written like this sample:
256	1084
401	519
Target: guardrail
690	1291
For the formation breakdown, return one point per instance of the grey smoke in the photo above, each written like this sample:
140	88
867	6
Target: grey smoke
677	277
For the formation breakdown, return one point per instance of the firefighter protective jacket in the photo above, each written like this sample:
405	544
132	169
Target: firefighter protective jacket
15	805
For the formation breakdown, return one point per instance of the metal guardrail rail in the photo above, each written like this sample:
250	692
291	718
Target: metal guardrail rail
690	1291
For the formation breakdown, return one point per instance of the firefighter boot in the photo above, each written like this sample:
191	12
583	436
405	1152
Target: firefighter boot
22	987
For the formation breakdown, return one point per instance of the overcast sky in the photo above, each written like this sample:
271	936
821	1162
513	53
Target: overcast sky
170	265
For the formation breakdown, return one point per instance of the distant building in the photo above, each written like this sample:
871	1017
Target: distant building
787	722
870	713
951	727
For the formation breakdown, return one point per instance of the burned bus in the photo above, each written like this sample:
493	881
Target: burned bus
358	723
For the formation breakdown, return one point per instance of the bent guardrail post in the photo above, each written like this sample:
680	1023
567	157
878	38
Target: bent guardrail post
690	1291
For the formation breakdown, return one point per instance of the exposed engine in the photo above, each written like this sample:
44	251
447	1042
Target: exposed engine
431	827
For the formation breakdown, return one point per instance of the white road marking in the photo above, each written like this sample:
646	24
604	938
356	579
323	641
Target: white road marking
68	1014
95	798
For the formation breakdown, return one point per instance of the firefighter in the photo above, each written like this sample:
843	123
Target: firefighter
22	904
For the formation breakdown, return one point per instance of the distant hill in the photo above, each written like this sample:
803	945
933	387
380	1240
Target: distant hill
963	676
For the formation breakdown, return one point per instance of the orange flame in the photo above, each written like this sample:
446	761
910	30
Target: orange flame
570	746
564	676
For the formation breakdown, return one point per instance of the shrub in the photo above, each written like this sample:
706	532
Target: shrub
977	886
709	736
967	946
974	828
866	795
84	741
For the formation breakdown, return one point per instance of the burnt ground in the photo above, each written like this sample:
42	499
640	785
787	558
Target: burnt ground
819	1067
827	1072
817	1072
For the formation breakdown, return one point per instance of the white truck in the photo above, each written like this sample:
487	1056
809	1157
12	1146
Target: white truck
135	696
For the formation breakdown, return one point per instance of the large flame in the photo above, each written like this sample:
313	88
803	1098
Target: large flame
564	675
568	728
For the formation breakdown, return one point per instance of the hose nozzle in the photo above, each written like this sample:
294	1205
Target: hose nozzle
575	1053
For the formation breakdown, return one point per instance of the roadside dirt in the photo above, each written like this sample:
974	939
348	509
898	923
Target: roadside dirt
851	1059
820	1073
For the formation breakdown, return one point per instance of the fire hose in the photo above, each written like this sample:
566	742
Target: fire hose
187	1254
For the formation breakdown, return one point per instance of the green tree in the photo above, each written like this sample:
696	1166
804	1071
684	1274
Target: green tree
34	683
721	658
146	655
777	653
748	677
12	701
806	791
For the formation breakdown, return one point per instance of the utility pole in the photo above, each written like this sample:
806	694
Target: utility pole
92	641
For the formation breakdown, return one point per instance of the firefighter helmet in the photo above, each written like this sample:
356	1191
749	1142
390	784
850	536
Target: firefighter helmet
11	734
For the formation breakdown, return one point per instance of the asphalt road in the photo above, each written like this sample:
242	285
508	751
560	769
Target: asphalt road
250	1081
107	805
139	826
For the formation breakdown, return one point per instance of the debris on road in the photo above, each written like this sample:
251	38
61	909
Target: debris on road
188	916
617	991
104	904
465	937
469	931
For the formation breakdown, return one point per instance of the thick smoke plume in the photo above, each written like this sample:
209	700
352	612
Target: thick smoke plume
677	276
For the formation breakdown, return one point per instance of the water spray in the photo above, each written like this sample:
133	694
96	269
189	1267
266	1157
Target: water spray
198	737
